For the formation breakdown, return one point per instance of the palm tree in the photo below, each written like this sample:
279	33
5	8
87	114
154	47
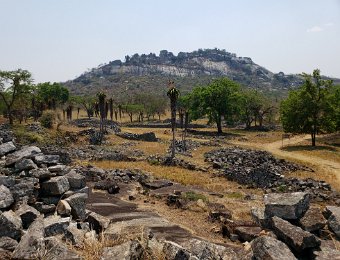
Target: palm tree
173	94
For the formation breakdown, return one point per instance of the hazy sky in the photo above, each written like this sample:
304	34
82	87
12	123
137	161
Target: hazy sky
58	40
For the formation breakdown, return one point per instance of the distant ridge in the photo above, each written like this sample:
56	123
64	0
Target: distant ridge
150	72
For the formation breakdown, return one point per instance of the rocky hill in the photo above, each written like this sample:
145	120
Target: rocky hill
188	69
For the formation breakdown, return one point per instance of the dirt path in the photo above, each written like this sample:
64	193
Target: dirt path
329	166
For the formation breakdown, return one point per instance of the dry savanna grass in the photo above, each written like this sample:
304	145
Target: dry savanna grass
183	176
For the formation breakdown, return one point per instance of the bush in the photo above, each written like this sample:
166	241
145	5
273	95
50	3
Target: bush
47	119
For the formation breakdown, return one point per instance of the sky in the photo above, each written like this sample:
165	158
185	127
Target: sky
58	40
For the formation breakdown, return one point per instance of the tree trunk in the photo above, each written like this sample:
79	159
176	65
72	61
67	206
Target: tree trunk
219	125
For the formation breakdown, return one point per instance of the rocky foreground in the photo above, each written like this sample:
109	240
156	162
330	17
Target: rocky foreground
50	210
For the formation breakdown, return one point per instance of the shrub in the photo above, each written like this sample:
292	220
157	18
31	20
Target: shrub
47	119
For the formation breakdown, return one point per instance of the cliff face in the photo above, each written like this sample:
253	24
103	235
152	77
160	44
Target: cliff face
188	69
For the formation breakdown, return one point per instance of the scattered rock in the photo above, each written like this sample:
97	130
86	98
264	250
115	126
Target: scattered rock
334	219
32	243
27	214
74	235
11	225
41	173
48	159
56	250
258	215
126	251
25	152
313	220
286	205
25	164
97	222
8	243
54	225
174	251
247	233
76	180
294	236
78	204
55	186
6	197
63	208
7	148
268	248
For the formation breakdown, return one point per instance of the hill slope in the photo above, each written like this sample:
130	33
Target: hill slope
188	69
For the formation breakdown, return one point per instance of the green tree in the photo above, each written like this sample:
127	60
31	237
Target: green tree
254	107
217	100
13	85
52	94
310	109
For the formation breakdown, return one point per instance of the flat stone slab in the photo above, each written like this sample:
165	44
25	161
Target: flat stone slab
286	205
46	159
294	236
25	152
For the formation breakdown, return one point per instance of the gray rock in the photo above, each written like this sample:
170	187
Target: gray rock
43	208
27	214
206	250
97	222
54	225
286	205
8	243
64	208
76	180
7	148
327	251
7	181
32	243
5	254
50	200
25	164
85	190
313	220
260	218
25	152
74	235
126	251
171	250
57	168
46	159
26	189
41	173
294	236
247	233
11	225
334	219
6	198
268	248
55	186
78	204
56	250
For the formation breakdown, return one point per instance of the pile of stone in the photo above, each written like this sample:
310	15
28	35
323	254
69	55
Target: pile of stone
147	137
260	169
39	199
186	146
289	228
94	153
95	123
168	161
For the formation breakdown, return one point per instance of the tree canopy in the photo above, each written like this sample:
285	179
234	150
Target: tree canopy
216	100
311	108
